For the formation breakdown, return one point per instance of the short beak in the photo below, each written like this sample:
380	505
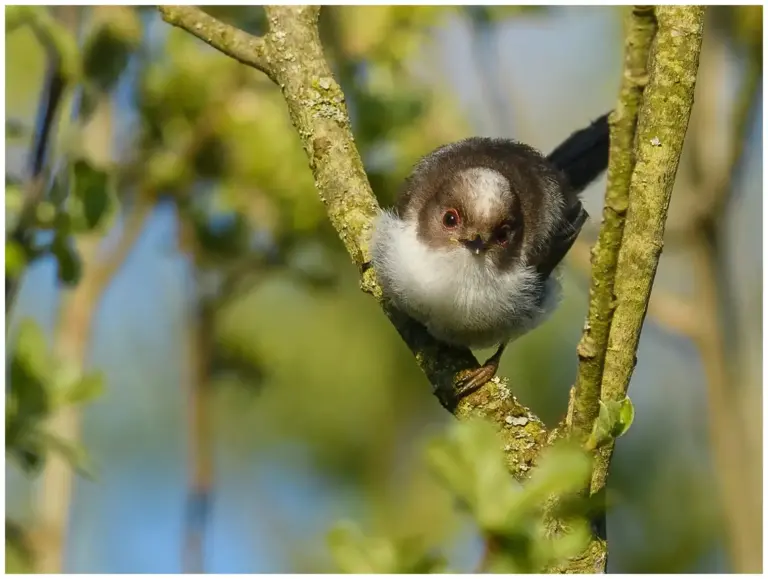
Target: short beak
475	245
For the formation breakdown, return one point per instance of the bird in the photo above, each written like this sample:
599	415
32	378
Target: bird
471	246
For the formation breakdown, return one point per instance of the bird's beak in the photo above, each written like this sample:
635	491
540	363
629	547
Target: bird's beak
475	245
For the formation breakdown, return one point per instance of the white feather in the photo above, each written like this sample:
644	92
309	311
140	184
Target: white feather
461	298
487	189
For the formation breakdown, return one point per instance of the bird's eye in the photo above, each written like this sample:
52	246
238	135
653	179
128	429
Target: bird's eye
451	218
503	233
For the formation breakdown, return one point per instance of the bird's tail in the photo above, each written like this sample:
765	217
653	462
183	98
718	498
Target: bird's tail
583	156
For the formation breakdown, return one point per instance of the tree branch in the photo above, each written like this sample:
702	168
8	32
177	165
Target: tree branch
292	56
592	347
233	42
55	492
198	337
662	126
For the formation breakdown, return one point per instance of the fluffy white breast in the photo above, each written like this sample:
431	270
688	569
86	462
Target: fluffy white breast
461	298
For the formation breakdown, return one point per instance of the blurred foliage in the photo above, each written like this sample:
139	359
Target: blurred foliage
356	553
470	463
213	139
39	385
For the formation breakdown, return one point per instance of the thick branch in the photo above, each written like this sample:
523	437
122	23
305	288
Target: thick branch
292	56
662	125
641	28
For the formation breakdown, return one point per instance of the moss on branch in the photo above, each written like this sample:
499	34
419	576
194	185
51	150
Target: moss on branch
641	175
641	28
662	125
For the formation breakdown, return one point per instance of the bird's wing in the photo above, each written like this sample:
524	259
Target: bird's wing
563	240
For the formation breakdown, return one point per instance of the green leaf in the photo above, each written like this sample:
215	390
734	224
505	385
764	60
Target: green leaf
86	389
32	347
108	47
614	419
355	553
626	418
91	188
70	266
15	259
30	371
18	548
15	128
14	202
563	469
471	464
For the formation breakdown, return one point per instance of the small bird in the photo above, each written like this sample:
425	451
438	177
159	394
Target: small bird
479	227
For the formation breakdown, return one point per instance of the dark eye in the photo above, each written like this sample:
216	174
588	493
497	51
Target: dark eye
451	218
503	233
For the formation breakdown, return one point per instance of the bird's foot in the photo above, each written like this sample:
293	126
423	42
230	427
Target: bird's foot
473	379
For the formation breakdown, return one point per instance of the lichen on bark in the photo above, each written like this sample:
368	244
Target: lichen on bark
661	129
641	28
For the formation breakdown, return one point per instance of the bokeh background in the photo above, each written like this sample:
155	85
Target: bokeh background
242	362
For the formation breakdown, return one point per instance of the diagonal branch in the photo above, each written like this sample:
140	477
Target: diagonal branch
233	42
292	56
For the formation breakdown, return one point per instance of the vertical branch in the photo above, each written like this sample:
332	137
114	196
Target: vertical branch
71	347
661	130
199	334
733	451
641	28
703	318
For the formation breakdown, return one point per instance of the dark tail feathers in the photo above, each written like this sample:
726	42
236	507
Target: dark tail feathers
583	156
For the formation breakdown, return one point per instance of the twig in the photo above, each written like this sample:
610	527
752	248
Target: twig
592	347
243	47
661	129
